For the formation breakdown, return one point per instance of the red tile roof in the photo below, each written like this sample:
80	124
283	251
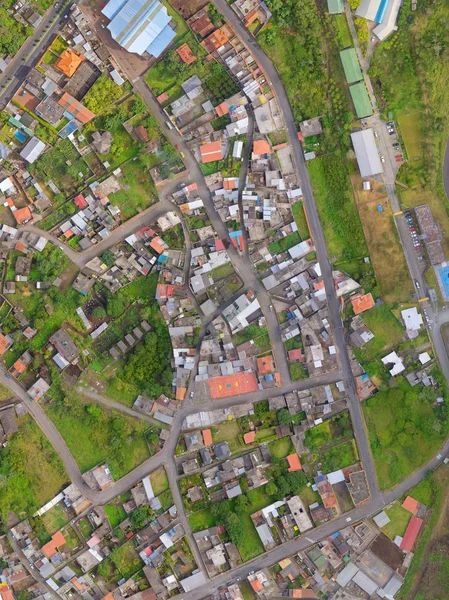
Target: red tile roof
232	385
207	437
261	147
362	303
80	201
185	54
294	464
250	437
411	505
68	62
211	152
411	533
22	214
265	365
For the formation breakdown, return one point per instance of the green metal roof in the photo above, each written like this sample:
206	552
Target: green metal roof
351	66
335	6
361	100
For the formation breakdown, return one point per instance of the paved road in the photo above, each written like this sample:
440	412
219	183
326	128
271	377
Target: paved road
31	50
248	148
318	238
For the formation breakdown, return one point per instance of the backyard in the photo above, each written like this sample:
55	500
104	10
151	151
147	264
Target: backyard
339	457
405	428
399	519
159	481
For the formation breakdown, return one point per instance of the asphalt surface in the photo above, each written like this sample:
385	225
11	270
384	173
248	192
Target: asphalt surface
165	457
318	239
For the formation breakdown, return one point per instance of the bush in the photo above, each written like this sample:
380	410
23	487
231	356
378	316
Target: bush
99	312
115	307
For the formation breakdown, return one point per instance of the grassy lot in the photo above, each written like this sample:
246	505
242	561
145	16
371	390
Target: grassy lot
107	437
141	193
33	470
404	430
300	219
285	243
410	127
247	590
423	492
388	331
126	560
341	223
115	513
383	242
297	371
399	518
339	457
85	527
159	481
52	165
281	448
228	431
329	431
5	393
222	271
203	519
252	332
55	518
342	28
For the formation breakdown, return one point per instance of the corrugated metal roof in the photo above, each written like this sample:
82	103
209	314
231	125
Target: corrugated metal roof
366	152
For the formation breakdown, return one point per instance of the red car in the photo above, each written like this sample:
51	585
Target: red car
177	146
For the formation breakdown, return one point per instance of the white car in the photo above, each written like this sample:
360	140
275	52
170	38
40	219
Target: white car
382	158
348	519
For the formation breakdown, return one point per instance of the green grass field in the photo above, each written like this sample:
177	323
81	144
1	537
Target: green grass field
228	431
285	243
55	518
92	441
115	513
388	331
300	220
411	129
281	448
343	33
141	193
159	481
404	430
339	457
399	518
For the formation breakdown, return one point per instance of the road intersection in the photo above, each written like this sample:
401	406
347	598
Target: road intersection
244	269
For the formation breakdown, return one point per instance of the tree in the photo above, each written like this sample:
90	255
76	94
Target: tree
234	528
221	510
139	517
296	481
261	408
115	307
108	258
99	312
241	504
272	489
284	417
283	486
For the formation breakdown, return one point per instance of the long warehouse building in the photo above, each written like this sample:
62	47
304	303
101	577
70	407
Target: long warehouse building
366	152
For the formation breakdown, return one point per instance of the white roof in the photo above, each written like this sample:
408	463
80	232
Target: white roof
6	184
300	250
388	24
148	487
193	582
237	149
424	358
335	477
32	150
345	576
412	318
368	9
366	152
365	583
394	359
381	519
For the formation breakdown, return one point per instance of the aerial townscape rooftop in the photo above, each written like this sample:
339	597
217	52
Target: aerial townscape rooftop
224	324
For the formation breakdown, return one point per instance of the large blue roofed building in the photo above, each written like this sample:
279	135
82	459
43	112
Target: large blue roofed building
139	25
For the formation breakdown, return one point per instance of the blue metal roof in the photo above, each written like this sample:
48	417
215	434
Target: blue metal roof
137	24
381	11
161	42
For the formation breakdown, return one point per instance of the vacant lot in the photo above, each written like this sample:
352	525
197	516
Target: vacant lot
388	331
338	212
285	243
411	129
383	243
339	457
100	436
139	192
404	430
300	219
159	481
228	431
281	448
126	560
55	518
33	470
399	518
329	431
115	513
